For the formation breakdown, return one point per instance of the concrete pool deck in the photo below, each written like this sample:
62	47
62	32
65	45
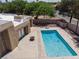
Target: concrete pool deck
35	50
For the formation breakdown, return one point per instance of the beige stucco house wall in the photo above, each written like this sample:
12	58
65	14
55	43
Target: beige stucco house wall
11	32
8	37
23	26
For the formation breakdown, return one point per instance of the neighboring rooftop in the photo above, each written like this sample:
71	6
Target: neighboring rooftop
14	18
5	24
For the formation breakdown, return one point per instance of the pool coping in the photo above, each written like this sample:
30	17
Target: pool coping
64	35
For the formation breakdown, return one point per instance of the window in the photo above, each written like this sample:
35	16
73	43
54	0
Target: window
21	33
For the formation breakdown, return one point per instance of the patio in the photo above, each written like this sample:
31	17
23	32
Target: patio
25	50
31	50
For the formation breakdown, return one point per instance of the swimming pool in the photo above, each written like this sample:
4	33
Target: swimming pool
55	45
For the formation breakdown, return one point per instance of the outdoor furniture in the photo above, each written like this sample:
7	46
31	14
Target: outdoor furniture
62	23
32	38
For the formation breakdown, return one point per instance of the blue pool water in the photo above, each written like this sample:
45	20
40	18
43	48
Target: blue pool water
55	45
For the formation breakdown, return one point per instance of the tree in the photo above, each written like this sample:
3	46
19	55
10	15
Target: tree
19	6
30	7
39	8
68	6
73	8
16	6
44	9
3	8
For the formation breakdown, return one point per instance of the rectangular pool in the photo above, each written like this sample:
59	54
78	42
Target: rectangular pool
55	45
